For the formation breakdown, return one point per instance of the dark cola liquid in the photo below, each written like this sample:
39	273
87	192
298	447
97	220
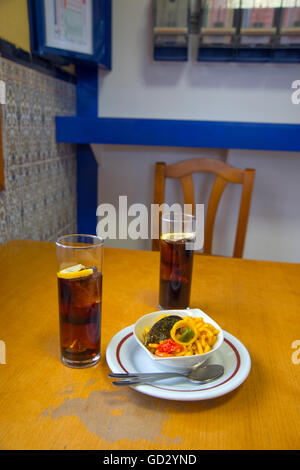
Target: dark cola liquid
176	265
80	318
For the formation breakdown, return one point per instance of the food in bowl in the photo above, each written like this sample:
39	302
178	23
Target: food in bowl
177	336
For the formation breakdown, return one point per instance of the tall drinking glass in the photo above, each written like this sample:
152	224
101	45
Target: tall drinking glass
79	275
176	260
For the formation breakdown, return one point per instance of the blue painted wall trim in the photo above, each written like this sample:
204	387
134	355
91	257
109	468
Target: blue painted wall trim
87	190
158	132
87	90
87	168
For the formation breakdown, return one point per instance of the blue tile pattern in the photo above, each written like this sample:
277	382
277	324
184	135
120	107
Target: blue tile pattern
39	201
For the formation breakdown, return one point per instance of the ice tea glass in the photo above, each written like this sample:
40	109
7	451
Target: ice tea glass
79	275
176	260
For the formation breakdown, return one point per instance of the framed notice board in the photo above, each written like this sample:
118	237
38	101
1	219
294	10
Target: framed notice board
76	29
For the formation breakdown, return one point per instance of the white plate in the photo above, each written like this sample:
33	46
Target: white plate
123	354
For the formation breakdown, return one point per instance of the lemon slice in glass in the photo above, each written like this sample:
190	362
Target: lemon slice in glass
75	271
177	236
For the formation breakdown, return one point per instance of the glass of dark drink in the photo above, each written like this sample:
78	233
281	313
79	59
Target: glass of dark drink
176	260
79	278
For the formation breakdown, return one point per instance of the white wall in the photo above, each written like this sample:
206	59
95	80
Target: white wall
129	171
274	223
138	87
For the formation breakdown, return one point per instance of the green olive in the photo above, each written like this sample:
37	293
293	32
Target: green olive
187	336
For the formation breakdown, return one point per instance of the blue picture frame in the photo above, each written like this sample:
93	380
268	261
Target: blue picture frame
101	32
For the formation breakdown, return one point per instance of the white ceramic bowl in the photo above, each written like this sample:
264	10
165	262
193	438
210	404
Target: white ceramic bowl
178	363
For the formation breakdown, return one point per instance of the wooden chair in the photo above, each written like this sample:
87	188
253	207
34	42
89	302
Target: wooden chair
224	173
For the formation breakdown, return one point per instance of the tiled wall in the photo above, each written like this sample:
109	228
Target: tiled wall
39	200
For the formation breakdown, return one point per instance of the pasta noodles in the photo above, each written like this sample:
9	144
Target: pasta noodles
187	337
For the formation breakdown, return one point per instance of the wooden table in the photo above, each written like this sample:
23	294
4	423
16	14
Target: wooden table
45	405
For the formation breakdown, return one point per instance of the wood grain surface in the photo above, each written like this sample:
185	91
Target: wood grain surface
45	405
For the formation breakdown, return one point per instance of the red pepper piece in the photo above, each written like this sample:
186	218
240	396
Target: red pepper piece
168	348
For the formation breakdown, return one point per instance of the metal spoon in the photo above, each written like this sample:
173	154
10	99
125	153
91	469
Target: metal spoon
199	374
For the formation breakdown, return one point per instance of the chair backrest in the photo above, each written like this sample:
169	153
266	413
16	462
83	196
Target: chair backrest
224	174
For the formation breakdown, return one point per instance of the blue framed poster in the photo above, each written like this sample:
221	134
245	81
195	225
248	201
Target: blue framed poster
77	29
